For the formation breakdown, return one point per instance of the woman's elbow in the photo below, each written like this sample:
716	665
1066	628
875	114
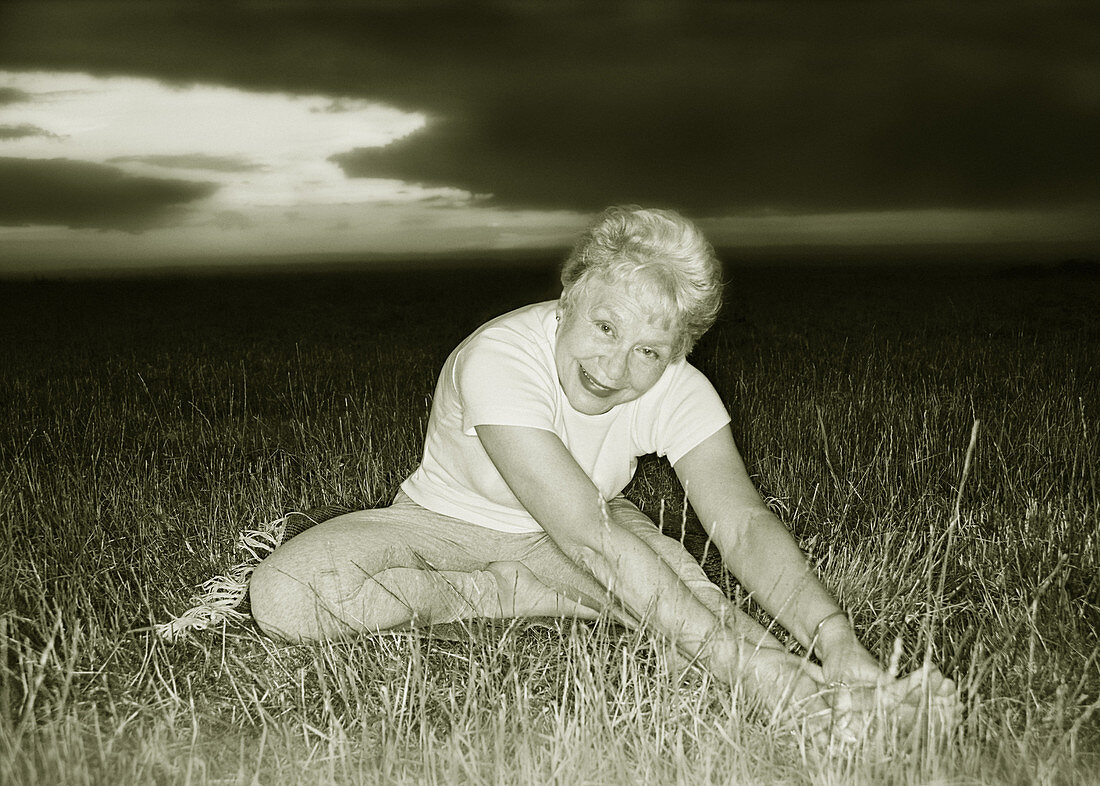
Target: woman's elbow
745	535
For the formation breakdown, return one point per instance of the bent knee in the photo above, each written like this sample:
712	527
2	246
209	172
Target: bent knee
284	592
313	604
277	599
293	605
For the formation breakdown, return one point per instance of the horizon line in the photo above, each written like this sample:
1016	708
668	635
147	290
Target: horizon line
886	254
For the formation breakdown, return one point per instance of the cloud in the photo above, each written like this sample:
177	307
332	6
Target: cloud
192	161
228	220
23	130
446	124
745	113
261	149
10	95
797	107
80	194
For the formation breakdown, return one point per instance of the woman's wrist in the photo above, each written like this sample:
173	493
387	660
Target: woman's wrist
727	655
834	632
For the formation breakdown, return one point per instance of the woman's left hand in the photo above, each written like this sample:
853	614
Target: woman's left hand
861	691
851	664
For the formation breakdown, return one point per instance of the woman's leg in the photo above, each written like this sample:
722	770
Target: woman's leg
689	570
555	570
393	567
404	565
524	594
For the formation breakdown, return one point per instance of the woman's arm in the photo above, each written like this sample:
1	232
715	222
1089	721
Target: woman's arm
550	484
760	551
554	489
763	555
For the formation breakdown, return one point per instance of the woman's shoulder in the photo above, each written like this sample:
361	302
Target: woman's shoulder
535	316
524	335
506	368
532	325
682	377
682	387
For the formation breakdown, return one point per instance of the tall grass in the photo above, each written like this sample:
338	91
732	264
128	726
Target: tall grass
149	421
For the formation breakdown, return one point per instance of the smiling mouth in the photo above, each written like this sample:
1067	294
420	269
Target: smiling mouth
594	387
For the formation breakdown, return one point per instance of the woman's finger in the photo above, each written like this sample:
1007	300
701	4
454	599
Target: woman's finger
812	670
911	686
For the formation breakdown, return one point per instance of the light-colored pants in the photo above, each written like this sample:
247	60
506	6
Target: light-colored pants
405	565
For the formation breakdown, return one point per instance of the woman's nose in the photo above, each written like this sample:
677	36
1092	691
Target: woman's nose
615	363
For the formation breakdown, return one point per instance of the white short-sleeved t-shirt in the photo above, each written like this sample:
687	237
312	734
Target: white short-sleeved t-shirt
504	374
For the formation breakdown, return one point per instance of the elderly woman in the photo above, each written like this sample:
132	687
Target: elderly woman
516	510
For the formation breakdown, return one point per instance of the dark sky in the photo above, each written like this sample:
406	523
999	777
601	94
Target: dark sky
870	122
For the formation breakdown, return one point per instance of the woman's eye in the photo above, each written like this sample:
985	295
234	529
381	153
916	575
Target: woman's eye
648	353
603	327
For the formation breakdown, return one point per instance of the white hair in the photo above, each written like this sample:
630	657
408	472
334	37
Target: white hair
657	252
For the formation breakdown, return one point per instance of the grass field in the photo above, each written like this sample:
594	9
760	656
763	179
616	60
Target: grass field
148	421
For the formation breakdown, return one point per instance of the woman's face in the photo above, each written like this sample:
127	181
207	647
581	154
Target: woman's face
610	347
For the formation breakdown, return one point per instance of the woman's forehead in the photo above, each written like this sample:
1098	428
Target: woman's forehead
627	301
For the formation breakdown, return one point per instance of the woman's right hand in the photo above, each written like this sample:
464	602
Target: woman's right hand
791	689
787	688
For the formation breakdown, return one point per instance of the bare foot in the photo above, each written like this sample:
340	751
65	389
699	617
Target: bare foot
522	594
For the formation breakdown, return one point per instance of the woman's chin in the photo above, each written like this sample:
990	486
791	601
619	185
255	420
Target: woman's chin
589	404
